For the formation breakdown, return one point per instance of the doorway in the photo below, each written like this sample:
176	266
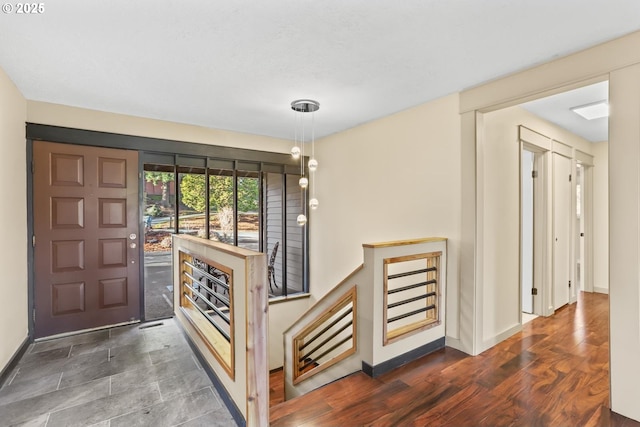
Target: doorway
85	237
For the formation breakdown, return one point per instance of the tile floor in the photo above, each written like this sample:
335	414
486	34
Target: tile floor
140	375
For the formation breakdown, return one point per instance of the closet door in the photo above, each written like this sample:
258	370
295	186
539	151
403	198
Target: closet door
561	230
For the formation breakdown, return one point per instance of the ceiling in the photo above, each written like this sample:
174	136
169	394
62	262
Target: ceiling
238	64
557	109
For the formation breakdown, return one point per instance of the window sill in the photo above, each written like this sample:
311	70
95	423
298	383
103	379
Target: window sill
281	299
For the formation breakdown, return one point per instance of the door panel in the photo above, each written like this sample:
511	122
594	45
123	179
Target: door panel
86	224
527	214
561	230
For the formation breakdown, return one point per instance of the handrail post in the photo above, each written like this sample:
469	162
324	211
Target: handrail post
226	321
257	345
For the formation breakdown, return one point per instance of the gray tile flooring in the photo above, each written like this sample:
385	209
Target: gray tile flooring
127	376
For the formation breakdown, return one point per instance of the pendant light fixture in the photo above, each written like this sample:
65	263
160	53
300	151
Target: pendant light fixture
301	107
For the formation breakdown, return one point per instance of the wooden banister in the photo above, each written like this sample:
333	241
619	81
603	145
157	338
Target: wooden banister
338	325
411	307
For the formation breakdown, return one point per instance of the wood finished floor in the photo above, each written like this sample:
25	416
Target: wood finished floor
554	373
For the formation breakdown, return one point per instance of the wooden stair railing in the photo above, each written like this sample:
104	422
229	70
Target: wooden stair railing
207	309
389	309
411	294
322	345
327	340
221	304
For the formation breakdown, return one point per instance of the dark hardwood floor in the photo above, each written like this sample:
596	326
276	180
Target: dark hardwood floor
276	387
554	373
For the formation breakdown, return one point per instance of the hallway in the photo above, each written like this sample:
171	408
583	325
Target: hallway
144	374
554	373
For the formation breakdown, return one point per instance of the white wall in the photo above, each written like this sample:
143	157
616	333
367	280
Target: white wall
499	182
395	178
499	162
624	248
601	217
13	215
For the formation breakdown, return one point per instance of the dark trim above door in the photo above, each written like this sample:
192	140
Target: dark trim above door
155	145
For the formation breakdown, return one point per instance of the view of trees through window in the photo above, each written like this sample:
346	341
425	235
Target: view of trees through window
221	219
192	207
222	205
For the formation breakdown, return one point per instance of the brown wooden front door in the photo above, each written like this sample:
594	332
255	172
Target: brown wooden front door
85	202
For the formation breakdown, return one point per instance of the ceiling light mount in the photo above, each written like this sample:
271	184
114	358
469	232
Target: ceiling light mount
305	105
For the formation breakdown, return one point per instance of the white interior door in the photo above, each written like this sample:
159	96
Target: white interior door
526	269
580	228
562	215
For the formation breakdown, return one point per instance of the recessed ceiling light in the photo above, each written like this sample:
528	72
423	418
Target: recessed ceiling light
592	111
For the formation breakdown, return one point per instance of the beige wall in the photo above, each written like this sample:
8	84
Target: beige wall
601	217
499	188
618	61
624	239
62	115
282	314
13	251
395	178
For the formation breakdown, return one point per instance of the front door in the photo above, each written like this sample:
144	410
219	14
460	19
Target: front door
85	202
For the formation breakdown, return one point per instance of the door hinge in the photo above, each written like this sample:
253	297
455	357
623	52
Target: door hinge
33	168
569	177
33	241
534	291
569	283
34	316
534	174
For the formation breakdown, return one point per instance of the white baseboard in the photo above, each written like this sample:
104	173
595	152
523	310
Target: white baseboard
488	343
601	290
456	343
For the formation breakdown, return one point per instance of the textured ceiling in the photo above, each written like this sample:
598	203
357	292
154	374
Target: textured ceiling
238	64
557	109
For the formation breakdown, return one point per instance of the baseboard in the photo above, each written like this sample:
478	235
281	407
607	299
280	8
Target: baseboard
226	398
601	290
455	343
403	359
487	344
4	374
